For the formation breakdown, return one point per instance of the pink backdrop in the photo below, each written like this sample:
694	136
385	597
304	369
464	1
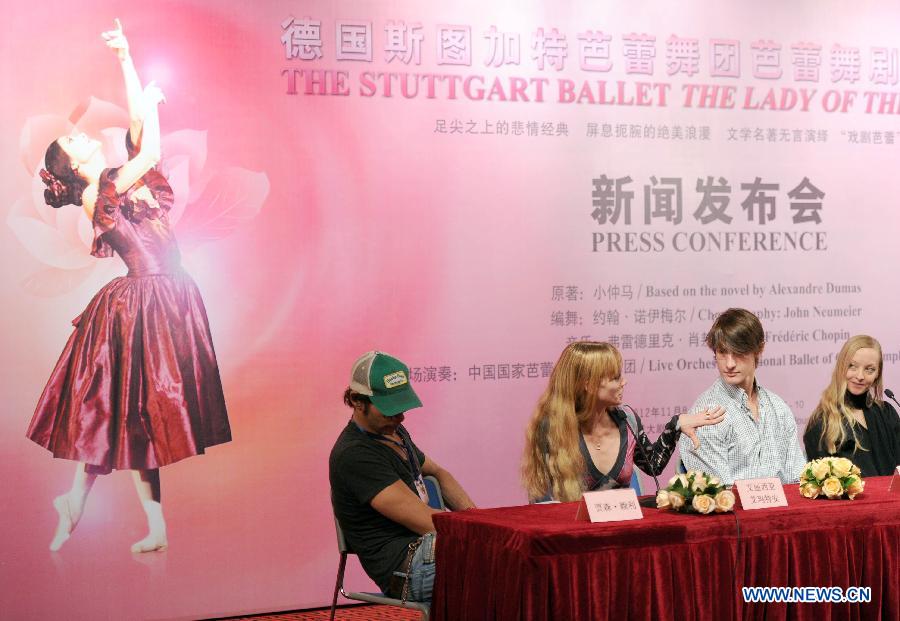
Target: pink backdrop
453	231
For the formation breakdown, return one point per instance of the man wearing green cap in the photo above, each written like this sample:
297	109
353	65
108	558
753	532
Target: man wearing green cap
377	489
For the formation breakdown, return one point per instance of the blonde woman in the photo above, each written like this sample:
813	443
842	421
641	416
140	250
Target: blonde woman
578	439
851	419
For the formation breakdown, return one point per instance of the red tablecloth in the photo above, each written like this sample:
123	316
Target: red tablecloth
536	562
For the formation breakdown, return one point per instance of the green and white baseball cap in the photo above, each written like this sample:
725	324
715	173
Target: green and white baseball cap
385	380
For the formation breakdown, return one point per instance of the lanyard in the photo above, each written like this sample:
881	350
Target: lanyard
411	460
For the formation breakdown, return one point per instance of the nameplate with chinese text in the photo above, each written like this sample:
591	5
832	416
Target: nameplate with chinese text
761	493
614	505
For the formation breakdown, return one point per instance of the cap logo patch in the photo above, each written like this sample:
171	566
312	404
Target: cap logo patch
397	378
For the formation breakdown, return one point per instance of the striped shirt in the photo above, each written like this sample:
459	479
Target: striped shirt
740	447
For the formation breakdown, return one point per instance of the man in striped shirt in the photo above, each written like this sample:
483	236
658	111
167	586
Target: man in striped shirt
758	437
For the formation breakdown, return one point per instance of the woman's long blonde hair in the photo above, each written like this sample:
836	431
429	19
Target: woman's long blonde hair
553	460
832	411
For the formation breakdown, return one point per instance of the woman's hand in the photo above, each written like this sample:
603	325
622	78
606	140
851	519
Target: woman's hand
712	415
152	96
115	39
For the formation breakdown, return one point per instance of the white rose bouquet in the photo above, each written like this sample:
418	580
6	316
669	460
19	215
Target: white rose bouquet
832	477
695	492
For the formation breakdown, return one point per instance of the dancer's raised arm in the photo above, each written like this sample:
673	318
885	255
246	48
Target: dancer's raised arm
148	146
142	112
115	39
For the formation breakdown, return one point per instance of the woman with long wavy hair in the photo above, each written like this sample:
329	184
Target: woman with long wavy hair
851	419
578	439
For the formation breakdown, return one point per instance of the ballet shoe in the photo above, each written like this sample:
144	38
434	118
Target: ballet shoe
65	525
156	541
150	543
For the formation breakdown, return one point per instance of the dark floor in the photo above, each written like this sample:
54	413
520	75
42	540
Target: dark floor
349	613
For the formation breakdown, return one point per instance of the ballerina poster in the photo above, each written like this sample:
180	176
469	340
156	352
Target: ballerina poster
213	208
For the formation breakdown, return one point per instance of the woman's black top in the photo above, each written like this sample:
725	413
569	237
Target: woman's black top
879	440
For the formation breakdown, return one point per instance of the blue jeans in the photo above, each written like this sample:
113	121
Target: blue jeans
421	573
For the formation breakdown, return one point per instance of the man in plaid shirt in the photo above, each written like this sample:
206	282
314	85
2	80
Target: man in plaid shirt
758	437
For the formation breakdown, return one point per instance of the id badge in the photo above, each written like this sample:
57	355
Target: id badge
421	489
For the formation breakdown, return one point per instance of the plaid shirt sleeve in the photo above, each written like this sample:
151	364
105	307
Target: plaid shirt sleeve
794	456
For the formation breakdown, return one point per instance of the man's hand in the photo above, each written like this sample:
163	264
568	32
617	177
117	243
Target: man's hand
454	494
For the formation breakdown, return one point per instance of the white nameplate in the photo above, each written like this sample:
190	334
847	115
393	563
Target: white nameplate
761	493
614	505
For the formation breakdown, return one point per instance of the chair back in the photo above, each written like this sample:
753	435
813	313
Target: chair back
636	482
343	548
435	495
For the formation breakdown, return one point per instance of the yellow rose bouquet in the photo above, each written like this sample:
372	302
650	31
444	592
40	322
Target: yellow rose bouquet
695	492
832	477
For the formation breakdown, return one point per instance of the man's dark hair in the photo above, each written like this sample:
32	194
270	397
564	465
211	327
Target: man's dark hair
737	331
352	398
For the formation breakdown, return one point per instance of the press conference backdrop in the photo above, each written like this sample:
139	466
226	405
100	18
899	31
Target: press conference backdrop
467	186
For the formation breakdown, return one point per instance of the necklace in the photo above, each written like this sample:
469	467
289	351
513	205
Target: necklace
608	429
595	442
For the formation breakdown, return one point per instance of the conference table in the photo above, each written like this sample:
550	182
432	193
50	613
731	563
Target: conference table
539	562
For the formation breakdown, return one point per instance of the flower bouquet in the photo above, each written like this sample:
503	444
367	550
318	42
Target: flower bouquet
695	492
835	477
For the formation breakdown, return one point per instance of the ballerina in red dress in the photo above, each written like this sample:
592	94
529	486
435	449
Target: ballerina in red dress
137	385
